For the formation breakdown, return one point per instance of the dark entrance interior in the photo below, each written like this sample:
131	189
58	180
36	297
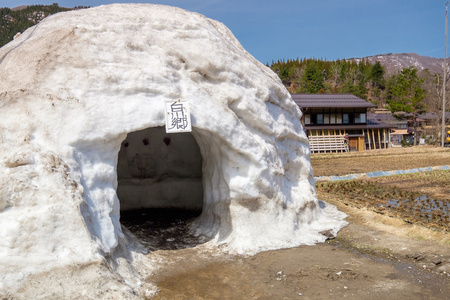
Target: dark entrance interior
160	187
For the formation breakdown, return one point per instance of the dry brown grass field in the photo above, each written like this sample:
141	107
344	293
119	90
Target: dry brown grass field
379	160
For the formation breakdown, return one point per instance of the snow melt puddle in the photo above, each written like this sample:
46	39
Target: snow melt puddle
161	229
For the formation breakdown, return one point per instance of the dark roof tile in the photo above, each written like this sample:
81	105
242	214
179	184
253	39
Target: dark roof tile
329	100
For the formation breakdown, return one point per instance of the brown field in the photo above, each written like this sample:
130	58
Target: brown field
395	246
421	198
379	160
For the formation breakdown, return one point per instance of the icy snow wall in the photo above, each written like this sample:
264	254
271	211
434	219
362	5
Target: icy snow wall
74	86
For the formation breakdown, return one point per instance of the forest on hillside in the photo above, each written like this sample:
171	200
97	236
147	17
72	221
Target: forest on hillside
15	21
409	90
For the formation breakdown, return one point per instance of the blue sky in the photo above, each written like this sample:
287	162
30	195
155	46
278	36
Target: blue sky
326	29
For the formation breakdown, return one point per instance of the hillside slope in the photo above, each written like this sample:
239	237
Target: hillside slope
393	62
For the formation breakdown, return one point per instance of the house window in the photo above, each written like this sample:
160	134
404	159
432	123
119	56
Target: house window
333	119
326	119
345	118
307	119
360	118
338	119
319	118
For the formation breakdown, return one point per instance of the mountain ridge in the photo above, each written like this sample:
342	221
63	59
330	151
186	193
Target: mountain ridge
394	62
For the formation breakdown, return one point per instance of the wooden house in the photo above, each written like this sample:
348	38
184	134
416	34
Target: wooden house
399	129
339	122
431	123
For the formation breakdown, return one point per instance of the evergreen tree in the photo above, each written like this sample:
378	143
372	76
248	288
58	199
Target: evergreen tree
13	22
313	79
405	93
377	75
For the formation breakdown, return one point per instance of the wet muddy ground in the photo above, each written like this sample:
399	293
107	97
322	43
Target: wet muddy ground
362	263
415	198
161	229
324	271
388	251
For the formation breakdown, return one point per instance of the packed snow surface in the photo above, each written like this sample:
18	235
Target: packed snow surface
77	84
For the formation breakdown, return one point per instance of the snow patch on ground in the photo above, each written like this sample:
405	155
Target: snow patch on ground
380	173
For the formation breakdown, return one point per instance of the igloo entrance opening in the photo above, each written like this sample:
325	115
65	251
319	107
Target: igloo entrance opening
160	186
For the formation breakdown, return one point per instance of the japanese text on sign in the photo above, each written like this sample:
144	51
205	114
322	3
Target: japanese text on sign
178	116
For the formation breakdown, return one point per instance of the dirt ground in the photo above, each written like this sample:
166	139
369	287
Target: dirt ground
379	255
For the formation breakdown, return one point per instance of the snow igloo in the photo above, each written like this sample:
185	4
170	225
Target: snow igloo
82	136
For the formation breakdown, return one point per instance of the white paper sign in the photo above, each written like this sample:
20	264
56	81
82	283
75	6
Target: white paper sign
178	116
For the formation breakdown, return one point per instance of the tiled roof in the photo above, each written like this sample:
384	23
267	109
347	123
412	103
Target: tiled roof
434	116
329	100
384	117
429	116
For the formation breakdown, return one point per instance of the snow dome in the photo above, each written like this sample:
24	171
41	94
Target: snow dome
82	136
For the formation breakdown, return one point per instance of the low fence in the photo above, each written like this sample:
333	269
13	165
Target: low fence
328	143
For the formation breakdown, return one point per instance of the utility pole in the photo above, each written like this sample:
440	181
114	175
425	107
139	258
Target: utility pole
444	131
